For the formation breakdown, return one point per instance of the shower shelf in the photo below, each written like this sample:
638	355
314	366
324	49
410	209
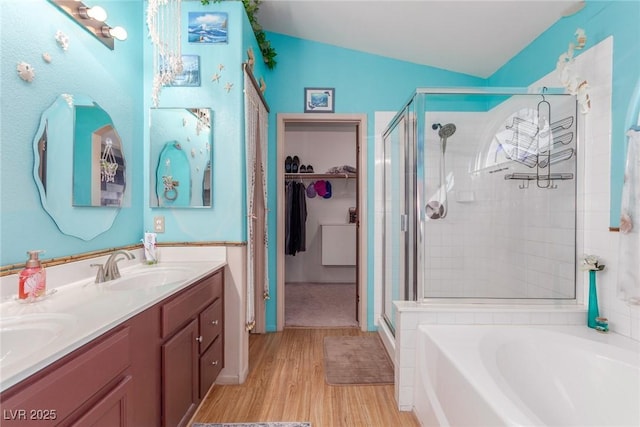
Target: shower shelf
534	176
556	157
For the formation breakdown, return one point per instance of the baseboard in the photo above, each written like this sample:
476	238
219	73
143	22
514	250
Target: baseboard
232	378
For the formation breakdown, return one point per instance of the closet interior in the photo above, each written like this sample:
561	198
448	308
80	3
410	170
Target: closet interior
321	195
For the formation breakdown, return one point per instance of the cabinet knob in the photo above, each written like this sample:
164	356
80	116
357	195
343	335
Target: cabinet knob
214	363
199	339
214	322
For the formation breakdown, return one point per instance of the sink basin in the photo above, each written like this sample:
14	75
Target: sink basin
21	336
152	277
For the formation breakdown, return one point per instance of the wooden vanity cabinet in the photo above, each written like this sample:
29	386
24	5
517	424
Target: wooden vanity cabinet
89	387
150	371
191	359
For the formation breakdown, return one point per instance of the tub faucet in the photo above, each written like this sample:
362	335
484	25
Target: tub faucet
111	270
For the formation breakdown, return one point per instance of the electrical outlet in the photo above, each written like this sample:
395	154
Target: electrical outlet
158	224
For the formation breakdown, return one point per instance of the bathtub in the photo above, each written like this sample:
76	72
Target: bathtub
525	376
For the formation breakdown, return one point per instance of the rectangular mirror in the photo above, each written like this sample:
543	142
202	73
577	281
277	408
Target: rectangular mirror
181	157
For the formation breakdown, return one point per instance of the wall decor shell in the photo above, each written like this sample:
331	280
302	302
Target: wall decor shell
26	71
46	57
62	39
250	58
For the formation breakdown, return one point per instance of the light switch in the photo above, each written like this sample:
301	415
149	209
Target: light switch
158	224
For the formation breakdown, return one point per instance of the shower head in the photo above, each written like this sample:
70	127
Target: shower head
447	130
444	132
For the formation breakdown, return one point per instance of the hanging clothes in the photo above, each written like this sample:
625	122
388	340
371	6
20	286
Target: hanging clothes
629	269
295	217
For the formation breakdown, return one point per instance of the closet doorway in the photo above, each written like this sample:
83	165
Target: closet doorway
330	255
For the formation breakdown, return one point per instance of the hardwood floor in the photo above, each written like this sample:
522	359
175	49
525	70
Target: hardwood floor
286	383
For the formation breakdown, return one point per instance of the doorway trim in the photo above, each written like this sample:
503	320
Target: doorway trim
361	121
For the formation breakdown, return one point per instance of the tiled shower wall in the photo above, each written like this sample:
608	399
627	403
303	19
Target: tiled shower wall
498	240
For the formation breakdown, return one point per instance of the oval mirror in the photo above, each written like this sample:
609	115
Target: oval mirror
180	156
54	150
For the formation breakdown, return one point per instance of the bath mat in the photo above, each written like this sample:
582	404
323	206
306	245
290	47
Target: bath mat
294	424
356	361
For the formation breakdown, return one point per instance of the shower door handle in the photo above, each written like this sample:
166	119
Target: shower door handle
404	222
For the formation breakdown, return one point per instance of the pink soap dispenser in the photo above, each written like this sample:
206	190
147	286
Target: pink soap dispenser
32	282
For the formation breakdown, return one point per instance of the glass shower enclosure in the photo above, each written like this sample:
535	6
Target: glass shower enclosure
480	198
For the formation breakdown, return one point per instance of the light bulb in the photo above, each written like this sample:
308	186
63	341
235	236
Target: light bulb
95	12
117	33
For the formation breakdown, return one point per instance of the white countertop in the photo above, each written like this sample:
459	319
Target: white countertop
86	310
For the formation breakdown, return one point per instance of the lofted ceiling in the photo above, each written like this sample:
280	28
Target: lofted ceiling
474	37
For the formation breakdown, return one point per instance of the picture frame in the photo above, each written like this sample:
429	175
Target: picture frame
208	27
319	100
190	75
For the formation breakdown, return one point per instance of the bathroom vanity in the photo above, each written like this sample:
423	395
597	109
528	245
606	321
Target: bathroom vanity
150	369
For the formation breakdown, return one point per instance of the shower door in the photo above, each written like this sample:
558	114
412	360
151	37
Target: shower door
399	247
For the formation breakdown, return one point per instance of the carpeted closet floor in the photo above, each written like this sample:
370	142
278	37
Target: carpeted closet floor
315	305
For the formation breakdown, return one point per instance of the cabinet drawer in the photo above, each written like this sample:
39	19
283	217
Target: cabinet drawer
210	324
66	386
211	363
182	308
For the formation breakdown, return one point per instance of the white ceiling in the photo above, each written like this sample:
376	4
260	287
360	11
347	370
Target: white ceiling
474	37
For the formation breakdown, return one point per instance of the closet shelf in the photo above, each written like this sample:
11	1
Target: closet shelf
320	175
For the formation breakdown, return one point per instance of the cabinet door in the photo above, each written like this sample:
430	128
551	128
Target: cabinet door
113	410
180	376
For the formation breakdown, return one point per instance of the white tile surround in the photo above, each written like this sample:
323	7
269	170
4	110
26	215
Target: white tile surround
593	237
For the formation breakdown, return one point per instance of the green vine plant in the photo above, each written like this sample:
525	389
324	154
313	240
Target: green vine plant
251	7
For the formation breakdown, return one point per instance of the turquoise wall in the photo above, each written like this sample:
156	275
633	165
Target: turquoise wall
363	83
226	219
111	78
600	19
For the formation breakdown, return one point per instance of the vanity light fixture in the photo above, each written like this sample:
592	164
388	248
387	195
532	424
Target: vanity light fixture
92	19
118	33
95	12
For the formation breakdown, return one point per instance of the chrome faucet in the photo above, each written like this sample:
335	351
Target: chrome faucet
99	274
110	269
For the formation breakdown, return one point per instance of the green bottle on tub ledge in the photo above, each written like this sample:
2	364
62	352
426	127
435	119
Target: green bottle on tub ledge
594	320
